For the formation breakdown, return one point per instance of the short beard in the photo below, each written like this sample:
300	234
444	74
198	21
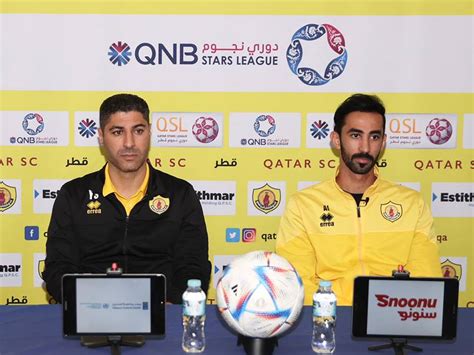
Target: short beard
357	168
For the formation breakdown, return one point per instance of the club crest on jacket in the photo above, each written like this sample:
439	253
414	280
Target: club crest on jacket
159	204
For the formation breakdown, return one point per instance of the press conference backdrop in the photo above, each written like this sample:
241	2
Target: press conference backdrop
242	96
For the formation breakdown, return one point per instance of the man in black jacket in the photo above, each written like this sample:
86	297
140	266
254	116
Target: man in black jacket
127	212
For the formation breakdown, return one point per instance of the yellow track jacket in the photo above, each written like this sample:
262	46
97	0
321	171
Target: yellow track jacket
327	237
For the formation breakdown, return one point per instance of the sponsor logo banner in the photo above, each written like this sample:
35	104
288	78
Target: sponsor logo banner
217	197
266	198
187	129
44	194
421	131
452	199
318	129
10	196
86	127
291	54
34	128
11	270
468	131
264	130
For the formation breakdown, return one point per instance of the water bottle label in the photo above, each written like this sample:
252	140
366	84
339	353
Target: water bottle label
194	307
324	308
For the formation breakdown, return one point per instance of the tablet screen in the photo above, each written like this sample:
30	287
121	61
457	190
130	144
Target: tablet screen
392	311
405	308
122	305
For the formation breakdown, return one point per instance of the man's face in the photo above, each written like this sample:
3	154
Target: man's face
126	141
361	141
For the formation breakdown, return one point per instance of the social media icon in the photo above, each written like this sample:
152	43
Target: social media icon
31	232
249	235
232	235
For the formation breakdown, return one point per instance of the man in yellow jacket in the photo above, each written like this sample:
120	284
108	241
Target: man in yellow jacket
357	223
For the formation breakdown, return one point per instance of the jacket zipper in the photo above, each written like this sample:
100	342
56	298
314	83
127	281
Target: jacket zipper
124	249
359	237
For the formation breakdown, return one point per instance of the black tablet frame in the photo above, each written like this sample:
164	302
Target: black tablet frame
360	307
157	304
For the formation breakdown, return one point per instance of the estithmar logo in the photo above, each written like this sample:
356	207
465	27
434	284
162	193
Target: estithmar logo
119	53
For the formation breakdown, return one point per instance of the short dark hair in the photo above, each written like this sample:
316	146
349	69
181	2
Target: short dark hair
358	102
122	103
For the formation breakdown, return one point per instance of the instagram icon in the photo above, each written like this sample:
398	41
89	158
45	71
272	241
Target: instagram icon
249	235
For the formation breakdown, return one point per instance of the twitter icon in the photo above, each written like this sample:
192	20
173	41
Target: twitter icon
232	235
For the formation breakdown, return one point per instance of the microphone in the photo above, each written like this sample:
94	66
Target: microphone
364	202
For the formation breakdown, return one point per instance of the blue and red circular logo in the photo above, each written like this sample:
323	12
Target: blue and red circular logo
264	125
312	32
33	124
119	53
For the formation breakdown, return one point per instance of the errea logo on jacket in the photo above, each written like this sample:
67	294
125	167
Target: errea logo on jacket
93	207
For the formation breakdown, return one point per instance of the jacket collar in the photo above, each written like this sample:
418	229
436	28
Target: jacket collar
370	190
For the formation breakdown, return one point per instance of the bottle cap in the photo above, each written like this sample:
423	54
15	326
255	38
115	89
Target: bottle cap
324	283
194	283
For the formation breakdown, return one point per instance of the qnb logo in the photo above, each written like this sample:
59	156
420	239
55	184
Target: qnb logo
439	130
319	129
312	32
87	128
119	53
411	304
205	129
33	124
265	125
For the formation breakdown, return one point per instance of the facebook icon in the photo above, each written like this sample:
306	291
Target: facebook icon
31	232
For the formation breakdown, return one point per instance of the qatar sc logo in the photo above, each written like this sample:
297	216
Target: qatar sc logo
312	32
119	53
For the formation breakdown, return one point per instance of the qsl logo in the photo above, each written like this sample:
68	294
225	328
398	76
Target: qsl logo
119	53
439	130
312	32
205	129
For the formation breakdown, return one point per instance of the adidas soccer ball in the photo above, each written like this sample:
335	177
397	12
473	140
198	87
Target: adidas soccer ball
205	129
439	130
260	294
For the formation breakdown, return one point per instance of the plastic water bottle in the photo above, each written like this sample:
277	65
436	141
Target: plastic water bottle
194	317
324	319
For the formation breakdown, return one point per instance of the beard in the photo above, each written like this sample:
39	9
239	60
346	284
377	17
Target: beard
356	167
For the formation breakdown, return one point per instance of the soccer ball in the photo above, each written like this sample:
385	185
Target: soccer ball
205	129
439	130
260	294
